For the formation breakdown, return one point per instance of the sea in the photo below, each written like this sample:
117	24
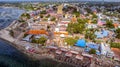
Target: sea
8	15
10	56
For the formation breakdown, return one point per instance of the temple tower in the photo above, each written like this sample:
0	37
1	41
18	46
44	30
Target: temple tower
60	11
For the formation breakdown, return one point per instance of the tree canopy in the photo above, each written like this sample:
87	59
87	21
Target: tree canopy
115	45
43	12
92	51
70	41
25	15
109	24
94	16
41	40
118	33
76	13
82	21
29	7
90	34
75	28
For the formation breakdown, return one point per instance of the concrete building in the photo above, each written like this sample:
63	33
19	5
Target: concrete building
105	50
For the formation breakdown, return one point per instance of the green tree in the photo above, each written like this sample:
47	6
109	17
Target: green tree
77	14
25	15
29	7
42	40
48	16
53	19
94	21
76	37
92	51
75	28
115	45
82	21
70	41
109	24
90	35
34	41
43	12
94	16
118	33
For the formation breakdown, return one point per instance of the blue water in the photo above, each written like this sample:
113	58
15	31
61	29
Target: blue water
11	57
8	14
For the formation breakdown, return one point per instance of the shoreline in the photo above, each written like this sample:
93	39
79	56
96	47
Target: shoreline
36	57
22	50
31	56
16	47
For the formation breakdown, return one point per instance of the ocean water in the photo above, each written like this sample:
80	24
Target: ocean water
8	14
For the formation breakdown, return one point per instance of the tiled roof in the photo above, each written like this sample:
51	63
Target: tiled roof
36	32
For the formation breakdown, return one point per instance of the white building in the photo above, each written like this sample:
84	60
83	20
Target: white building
105	50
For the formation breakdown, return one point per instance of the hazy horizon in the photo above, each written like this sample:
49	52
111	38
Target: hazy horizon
59	0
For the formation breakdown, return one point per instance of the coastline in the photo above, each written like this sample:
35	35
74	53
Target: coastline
41	60
11	41
22	50
16	47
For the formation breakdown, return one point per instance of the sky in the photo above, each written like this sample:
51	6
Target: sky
64	0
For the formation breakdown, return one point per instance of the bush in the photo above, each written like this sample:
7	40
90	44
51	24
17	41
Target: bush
115	45
92	51
118	33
